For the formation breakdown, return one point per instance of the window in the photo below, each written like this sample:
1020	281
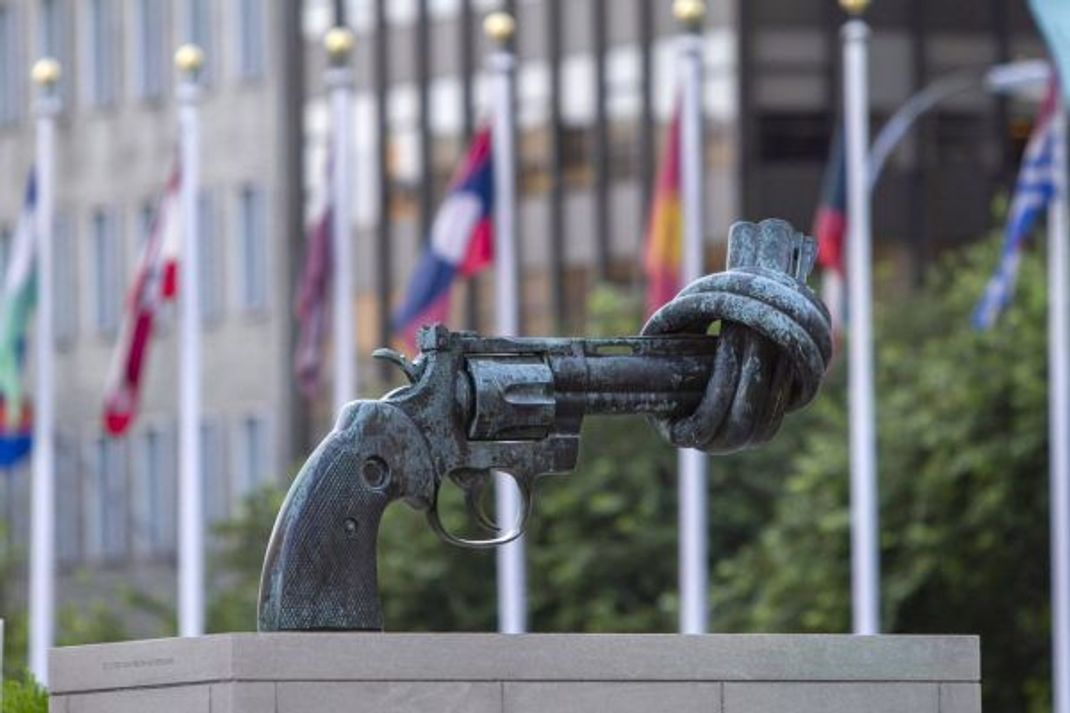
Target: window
209	275
106	517
16	513
53	36
107	272
199	32
103	45
68	502
149	43
797	136
214	485
146	218
155	493
7	236
10	67
64	281
251	465
250	25
252	249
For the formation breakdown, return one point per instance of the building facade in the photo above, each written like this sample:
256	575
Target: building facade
116	147
596	87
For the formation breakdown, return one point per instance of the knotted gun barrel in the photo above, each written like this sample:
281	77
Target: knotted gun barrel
478	405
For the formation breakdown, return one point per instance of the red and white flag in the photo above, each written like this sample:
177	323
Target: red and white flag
155	283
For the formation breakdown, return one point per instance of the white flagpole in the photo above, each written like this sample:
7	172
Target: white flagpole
692	464
189	59
339	79
865	553
46	74
1059	421
499	27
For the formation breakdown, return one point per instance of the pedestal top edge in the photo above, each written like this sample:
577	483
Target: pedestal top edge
525	657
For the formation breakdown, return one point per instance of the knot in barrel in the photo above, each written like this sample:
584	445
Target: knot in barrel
774	343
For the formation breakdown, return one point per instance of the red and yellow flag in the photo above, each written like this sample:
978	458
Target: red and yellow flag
664	234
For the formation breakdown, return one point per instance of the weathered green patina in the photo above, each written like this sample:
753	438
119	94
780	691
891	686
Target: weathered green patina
477	405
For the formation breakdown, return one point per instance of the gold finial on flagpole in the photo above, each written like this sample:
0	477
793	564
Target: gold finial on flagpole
339	42
189	59
499	26
854	7
689	12
46	72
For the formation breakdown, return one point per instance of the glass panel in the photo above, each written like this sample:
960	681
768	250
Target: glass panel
208	259
252	461
253	249
102	49
215	486
107	275
68	502
6	236
9	69
65	284
114	501
149	66
251	38
199	31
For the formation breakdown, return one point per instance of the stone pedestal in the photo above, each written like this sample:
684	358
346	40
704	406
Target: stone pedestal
489	673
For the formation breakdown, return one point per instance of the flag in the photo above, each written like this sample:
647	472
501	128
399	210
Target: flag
16	304
664	233
312	294
1036	186
1053	18
462	241
830	228
155	282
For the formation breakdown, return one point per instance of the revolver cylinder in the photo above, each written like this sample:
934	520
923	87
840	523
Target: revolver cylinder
525	397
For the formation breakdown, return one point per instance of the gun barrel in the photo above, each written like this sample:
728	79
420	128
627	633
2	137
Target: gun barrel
663	385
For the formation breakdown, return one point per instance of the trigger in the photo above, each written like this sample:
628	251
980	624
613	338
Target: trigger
411	371
473	496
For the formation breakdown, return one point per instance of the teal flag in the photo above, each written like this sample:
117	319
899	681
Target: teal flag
1053	17
17	300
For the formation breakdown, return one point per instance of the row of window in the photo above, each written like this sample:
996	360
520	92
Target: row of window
116	499
95	39
244	248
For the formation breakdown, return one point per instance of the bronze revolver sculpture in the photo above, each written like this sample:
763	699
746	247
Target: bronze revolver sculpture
481	404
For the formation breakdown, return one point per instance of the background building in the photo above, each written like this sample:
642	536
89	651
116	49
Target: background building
116	147
596	86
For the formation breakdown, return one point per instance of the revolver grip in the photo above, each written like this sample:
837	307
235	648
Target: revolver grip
320	572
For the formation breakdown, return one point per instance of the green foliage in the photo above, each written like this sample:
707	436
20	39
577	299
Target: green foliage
11	611
235	567
963	478
23	696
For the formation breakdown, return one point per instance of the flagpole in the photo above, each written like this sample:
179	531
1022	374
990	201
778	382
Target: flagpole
46	75
499	28
188	60
1059	419
865	553
692	464
339	43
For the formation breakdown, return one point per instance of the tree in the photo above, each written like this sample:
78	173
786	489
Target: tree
963	478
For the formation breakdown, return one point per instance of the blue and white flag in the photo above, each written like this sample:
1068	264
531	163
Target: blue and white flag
1038	180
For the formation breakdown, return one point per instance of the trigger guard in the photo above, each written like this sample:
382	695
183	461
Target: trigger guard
519	527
